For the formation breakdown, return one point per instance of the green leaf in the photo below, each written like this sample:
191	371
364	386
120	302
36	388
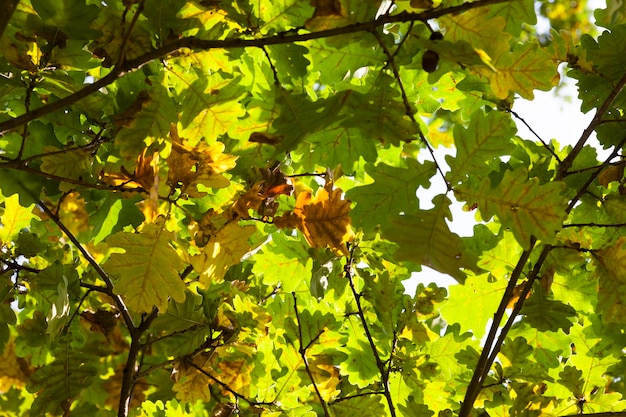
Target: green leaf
487	137
146	274
284	262
392	192
424	238
521	204
545	314
476	302
60	382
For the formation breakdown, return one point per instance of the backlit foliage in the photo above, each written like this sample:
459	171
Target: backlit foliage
212	208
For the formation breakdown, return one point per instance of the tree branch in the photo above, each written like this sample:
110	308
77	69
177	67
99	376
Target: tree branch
6	12
202	44
379	363
130	369
616	150
483	364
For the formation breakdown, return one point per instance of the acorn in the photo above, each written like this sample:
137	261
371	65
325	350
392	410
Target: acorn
430	61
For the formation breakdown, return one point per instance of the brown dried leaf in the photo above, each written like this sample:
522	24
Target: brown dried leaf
610	174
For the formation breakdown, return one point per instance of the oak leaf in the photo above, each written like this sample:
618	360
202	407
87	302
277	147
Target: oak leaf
324	221
147	273
14	218
224	249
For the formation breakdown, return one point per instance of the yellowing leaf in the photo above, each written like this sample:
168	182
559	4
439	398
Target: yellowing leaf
73	214
15	218
201	164
612	283
325	374
223	250
324	221
147	273
522	70
192	385
72	165
521	204
14	371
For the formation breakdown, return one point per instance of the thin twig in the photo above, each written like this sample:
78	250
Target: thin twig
363	394
544	143
274	72
594	175
594	225
407	105
302	349
379	363
131	26
595	122
18	165
202	44
119	303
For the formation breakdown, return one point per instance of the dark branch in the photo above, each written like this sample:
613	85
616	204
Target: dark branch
202	44
595	174
595	122
6	12
483	365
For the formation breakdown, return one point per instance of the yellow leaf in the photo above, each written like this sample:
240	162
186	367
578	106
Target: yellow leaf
224	249
199	165
324	221
147	273
192	385
15	218
14	371
73	213
325	374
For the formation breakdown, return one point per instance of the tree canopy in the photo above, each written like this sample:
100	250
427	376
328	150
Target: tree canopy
211	208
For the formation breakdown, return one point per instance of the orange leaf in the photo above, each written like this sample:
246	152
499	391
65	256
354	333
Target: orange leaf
324	221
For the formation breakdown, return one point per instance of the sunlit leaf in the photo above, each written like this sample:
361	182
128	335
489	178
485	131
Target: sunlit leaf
324	220
520	203
147	272
224	249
